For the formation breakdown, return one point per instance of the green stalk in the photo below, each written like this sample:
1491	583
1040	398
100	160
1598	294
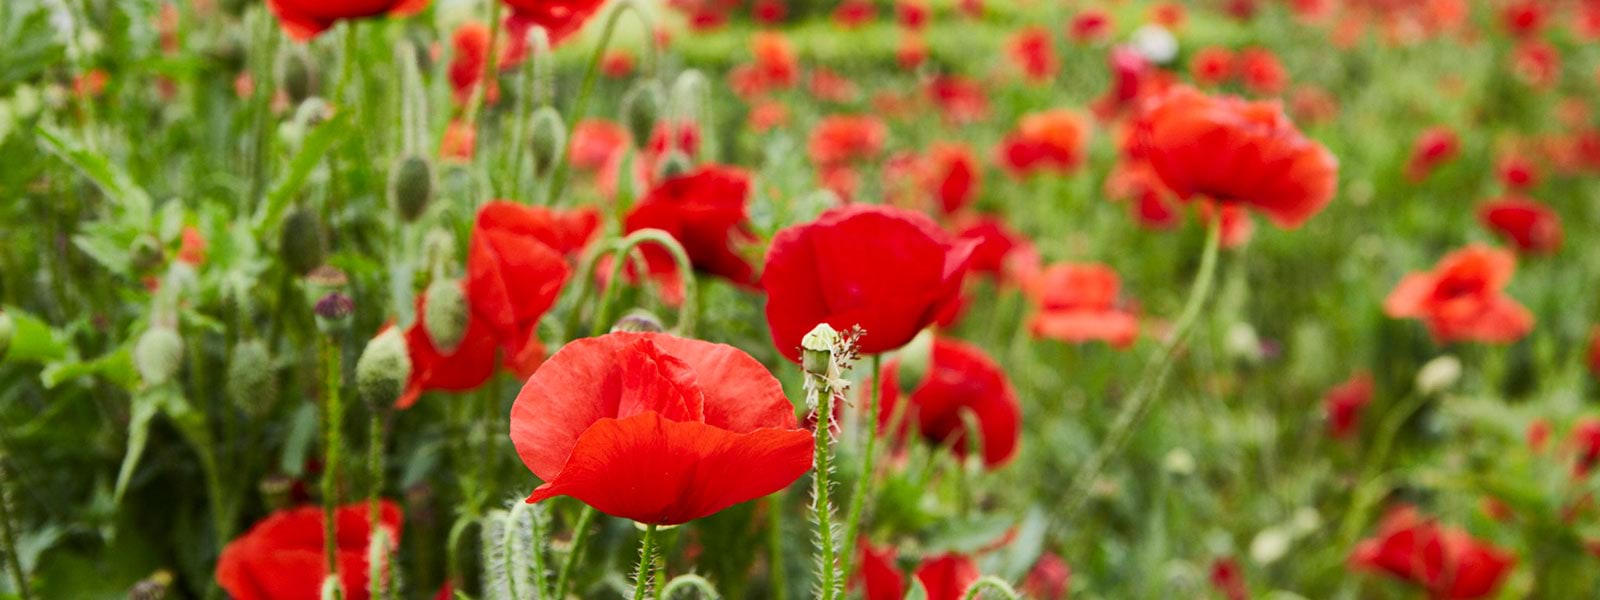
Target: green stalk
992	584
1143	398
8	535
827	566
647	559
686	316
591	75
375	470
863	487
333	421
777	573
479	94
580	535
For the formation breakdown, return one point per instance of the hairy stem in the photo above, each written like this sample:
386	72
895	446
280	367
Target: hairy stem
333	421
827	566
647	561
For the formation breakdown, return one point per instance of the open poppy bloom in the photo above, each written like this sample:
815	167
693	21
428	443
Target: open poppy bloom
466	368
944	577
1263	74
595	142
961	380
1048	579
1051	140
998	250
1434	147
889	270
658	429
1345	402
953	176
1078	303
705	211
283	557
1463	298
1446	562
840	139
1585	443
1032	51
516	266
960	100
561	18
1212	65
1529	226
304	19
1233	151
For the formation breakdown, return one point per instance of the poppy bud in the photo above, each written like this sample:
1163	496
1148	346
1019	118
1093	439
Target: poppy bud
298	75
276	490
383	369
687	90
816	355
1438	375
548	139
914	361
146	253
7	330
444	316
154	587
675	163
333	312
301	242
639	321
252	385
411	186
641	106
158	354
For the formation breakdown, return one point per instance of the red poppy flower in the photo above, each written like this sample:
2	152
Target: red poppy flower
1585	441
840	139
1232	151
1462	299
1129	72
815	273
1051	140
769	12
912	52
192	248
1345	402
768	115
283	557
1212	65
828	86
959	100
1523	18
1048	579
851	14
1170	15
943	577
471	43
1434	147
1079	303
1033	52
469	366
1263	74
912	14
1228	579
954	176
560	18
304	19
1090	25
617	63
459	143
1516	172
1446	562
973	9
775	59
657	429
1536	63
705	210
1594	351
961	380
516	267
998	246
594	142
879	576
1529	226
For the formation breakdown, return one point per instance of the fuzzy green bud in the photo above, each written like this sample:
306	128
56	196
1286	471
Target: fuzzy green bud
301	242
816	349
158	354
445	315
252	384
916	359
548	139
383	369
674	164
641	106
298	74
639	321
411	186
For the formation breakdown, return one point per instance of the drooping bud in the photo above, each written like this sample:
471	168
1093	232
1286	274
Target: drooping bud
547	141
252	383
445	315
158	354
816	349
675	163
298	74
639	321
301	243
383	369
641	106
411	186
7	330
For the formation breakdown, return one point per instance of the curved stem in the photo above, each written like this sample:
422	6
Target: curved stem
990	583
591	75
690	581
490	62
647	561
580	535
1143	398
1365	494
686	317
863	487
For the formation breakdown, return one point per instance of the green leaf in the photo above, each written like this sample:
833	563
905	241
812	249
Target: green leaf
116	367
1024	550
317	144
108	253
302	429
145	408
917	591
115	182
34	340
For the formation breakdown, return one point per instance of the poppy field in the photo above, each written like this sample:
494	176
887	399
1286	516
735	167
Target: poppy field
784	299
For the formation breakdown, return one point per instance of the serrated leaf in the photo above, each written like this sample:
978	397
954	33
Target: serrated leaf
112	180
109	254
316	145
33	340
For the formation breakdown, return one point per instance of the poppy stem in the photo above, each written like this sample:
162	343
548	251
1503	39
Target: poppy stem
827	566
777	574
375	471
646	574
333	421
1143	397
863	487
990	583
686	317
8	534
591	76
481	92
580	535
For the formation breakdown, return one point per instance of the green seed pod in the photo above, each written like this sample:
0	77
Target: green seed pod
817	349
674	164
298	74
8	328
411	186
383	369
252	383
158	354
301	241
444	317
549	138
641	106
639	321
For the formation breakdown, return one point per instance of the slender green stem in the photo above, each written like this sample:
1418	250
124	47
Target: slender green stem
690	581
580	536
863	487
8	535
490	63
348	63
686	313
1144	396
1364	495
990	583
827	566
591	75
375	490
333	421
777	572
647	561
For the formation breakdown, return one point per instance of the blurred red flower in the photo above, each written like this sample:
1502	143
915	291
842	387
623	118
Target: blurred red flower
1130	78
960	381
1462	299
658	429
943	577
471	43
840	139
705	210
617	63
459	143
1523	18
775	59
1212	65
998	247
1090	25
953	176
1434	147
1228	578
829	86
1516	172
1536	63
467	367
1531	227
560	18
283	557
192	248
912	14
1048	579
1080	302
516	267
1053	140
913	51
851	14
1032	51
1263	74
304	19
1345	402
1232	151
960	100
1447	562
1585	442
1170	15
595	142
816	273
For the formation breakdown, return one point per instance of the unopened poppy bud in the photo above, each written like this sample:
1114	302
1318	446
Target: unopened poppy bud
444	316
383	369
1438	375
146	253
547	141
639	321
816	349
298	74
687	90
276	490
301	243
252	385
154	587
674	164
7	330
411	186
158	354
333	311
640	109
915	359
